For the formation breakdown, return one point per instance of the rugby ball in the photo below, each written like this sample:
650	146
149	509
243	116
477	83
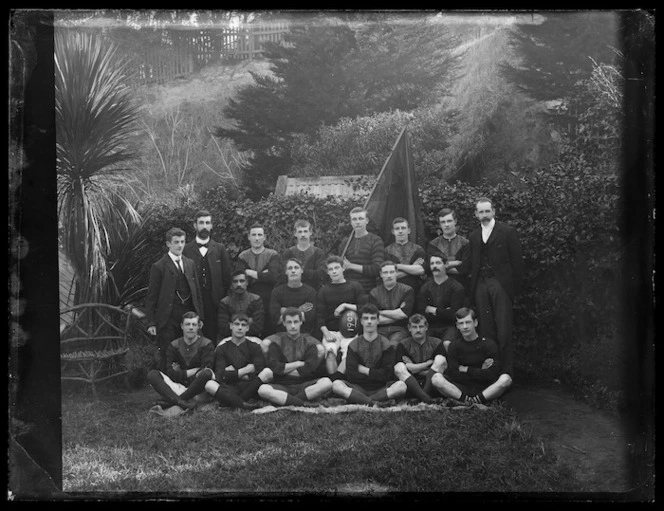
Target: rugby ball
349	323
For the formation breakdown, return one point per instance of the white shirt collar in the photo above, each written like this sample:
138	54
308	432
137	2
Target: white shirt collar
486	230
174	258
199	240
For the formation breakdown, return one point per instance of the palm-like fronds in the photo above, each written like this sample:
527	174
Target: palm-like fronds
95	118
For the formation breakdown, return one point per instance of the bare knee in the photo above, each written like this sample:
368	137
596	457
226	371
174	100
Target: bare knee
266	375
340	388
505	381
400	371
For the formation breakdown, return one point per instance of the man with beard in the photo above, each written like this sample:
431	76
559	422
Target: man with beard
293	357
419	357
239	300
496	268
439	298
213	270
314	271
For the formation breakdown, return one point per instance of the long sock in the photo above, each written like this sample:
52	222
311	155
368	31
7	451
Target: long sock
358	398
293	401
227	398
414	388
381	395
479	398
161	387
428	386
251	390
197	386
464	397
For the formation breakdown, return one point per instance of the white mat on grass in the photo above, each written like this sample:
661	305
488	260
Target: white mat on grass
420	407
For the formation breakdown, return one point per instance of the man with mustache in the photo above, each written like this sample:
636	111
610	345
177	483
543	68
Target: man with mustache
496	268
213	270
439	298
241	301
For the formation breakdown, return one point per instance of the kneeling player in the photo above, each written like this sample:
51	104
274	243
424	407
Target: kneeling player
419	357
293	359
370	361
473	365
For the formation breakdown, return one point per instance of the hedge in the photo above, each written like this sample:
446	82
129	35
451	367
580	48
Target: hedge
566	217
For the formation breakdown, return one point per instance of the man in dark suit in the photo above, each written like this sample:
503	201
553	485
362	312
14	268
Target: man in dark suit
496	268
213	270
172	291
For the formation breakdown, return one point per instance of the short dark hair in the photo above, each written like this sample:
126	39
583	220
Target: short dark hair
358	209
387	262
174	231
256	226
437	253
399	220
302	223
293	259
240	316
237	271
369	308
201	213
417	319
291	311
190	315
464	311
447	211
334	259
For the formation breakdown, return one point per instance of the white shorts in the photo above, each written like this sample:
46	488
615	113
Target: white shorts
340	343
176	387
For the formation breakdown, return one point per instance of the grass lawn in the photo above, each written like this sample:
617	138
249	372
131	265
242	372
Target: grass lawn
116	445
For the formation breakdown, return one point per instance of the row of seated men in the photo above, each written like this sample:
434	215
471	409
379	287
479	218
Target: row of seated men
293	368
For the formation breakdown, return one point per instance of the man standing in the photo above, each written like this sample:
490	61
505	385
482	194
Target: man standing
239	367
474	373
172	291
455	247
418	358
370	362
213	270
395	302
261	265
188	366
364	253
293	294
239	300
496	268
408	256
293	359
314	272
439	298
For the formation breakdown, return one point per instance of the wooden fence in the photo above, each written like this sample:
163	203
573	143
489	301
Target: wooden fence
183	52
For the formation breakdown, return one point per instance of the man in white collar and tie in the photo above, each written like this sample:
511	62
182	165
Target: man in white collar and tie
496	268
213	270
172	291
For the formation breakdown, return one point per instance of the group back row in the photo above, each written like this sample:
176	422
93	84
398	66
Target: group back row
483	271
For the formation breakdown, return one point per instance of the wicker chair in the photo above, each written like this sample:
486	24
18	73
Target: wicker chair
93	343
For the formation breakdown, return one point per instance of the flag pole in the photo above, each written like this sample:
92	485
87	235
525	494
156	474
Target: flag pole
373	188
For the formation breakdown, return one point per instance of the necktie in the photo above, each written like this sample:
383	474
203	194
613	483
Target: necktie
179	262
201	245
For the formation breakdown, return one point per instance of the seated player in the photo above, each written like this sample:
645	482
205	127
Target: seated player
334	299
239	367
293	358
240	301
473	365
439	298
419	357
369	377
189	362
293	294
395	302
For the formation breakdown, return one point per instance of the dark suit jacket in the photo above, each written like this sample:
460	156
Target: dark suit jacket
505	257
220	266
161	290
